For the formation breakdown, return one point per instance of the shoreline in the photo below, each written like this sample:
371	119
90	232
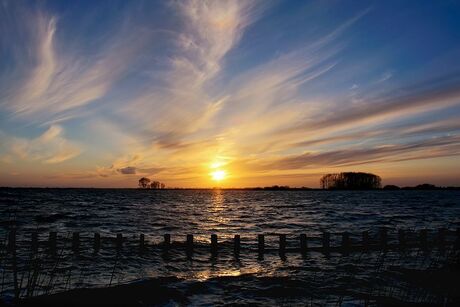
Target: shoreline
167	290
238	189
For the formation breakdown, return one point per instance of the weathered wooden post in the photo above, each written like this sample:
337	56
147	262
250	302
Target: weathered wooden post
76	241
12	249
326	241
282	243
303	244
365	240
97	242
34	243
423	239
345	242
383	238
189	246
260	245
236	246
141	242
441	238
457	239
52	241
214	244
402	238
167	241
12	241
119	242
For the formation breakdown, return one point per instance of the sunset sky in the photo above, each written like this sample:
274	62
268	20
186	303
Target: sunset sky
228	93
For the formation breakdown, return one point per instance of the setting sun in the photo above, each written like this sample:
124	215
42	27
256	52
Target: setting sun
218	175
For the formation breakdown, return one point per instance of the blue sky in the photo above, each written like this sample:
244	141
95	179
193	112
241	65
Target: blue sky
269	92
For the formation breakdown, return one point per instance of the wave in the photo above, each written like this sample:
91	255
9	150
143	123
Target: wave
250	289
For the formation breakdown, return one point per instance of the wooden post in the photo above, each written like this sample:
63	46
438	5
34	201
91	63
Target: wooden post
52	241
12	249
189	245
167	241
457	239
76	241
119	241
423	239
402	238
34	243
97	242
326	241
441	238
282	243
383	238
141	242
237	245
12	241
214	244
260	245
366	240
303	244
345	241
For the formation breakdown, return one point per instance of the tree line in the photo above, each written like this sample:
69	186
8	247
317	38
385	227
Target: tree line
350	181
146	183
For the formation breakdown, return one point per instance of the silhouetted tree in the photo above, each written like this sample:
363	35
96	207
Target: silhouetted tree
391	187
277	187
144	183
155	185
350	180
425	186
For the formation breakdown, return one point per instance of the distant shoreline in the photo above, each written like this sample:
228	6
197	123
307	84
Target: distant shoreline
236	189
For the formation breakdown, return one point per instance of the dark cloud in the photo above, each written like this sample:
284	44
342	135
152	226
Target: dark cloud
129	170
402	130
433	92
435	147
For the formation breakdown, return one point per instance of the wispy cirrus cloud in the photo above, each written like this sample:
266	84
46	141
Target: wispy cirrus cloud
181	105
424	149
437	93
403	130
50	147
212	29
59	81
184	111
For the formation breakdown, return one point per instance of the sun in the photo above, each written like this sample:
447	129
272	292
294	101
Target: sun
218	175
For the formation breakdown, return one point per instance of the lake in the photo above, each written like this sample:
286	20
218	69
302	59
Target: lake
352	279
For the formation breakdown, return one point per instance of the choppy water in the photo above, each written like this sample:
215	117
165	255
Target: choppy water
273	280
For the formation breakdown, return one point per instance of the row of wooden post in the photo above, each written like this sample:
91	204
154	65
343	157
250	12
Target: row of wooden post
325	246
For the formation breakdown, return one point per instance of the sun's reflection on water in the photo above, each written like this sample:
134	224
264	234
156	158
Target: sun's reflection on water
225	272
215	217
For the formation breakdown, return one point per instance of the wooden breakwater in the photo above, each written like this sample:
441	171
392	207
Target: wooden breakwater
382	240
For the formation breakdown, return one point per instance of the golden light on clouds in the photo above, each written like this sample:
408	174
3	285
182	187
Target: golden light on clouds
215	165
